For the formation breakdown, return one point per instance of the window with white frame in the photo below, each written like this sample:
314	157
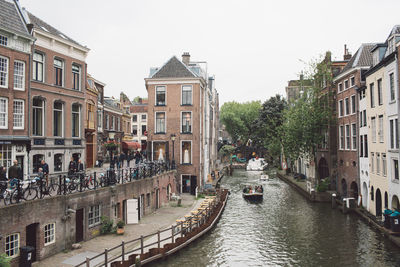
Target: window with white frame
354	136
118	124
58	72
19	75
372	162
160	96
392	134
3	40
160	122
373	129
347	106
134	118
134	130
106	126
380	132
58	119
144	117
186	95
346	84
352	81
380	97
341	136
49	233
186	122
94	215
340	87
186	152
38	63
76	110
361	119
348	144
361	146
58	162
12	245
365	117
76	74
378	163
3	72
366	146
18	114
3	113
38	113
391	85
384	167
353	104
396	130
395	169
341	108
112	122
371	91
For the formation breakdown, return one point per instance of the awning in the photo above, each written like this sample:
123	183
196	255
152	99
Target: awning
130	145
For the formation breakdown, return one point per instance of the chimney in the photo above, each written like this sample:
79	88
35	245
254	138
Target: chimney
347	55
186	58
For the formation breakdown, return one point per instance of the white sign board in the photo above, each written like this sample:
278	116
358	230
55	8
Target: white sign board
132	211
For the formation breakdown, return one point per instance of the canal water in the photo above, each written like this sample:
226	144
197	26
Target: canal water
284	230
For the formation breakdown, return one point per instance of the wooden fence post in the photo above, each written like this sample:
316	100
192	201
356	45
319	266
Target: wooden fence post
123	250
141	245
173	233
105	257
87	262
158	236
181	229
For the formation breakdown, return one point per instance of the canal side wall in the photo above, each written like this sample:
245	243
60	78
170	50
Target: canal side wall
314	197
28	219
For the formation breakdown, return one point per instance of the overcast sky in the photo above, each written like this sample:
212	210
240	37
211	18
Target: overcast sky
252	47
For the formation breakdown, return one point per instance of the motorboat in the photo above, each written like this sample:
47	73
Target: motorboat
255	194
264	178
256	164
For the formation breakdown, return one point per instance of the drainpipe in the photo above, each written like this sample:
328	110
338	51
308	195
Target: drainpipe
29	104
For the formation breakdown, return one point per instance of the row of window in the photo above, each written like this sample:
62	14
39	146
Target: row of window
346	84
38	71
115	123
19	73
58	118
379	165
135	129
160	148
186	95
344	111
18	113
392	92
348	137
186	122
380	130
143	118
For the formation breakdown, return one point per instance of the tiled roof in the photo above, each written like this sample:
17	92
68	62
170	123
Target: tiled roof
362	58
40	24
174	68
10	19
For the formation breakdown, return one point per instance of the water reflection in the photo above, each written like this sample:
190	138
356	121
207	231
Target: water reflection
284	230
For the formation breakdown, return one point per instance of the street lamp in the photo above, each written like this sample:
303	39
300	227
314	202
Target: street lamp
173	136
111	135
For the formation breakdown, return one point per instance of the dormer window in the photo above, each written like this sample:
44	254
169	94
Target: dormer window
3	40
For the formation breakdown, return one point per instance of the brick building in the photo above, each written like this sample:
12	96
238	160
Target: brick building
180	113
348	82
90	122
15	49
57	100
139	122
100	120
112	122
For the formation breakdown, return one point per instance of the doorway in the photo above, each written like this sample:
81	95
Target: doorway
185	183
378	203
193	184
31	238
20	160
79	225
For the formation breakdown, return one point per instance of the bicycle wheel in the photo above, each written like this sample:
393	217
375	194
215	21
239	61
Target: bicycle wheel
6	198
30	193
16	196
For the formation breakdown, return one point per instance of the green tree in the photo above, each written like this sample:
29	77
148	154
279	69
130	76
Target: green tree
239	118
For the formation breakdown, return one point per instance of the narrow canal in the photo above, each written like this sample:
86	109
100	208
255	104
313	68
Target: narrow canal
285	230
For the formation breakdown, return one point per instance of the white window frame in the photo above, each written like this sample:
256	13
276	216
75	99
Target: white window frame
378	163
79	120
112	123
49	231
96	219
191	95
352	84
353	136
3	40
16	241
79	76
23	114
5	126
372	162
155	122
155	95
341	137
353	102
340	85
43	115
381	131
191	122
40	79
392	89
62	71
107	118
191	152
7	64
341	108
347	138
346	106
394	169
21	63
62	119
384	166
373	129
344	84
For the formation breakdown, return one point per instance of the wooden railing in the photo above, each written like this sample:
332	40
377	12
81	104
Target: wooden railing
139	246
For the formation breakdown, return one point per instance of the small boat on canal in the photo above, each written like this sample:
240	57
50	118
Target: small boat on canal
255	193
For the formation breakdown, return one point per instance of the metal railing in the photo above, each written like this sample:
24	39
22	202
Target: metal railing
16	191
139	245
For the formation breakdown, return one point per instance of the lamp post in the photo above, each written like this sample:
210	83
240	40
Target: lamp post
173	136
111	135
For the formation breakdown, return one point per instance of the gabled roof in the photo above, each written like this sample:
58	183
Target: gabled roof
43	26
362	58
11	19
174	68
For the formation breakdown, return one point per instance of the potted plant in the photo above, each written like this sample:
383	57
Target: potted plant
111	145
120	227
